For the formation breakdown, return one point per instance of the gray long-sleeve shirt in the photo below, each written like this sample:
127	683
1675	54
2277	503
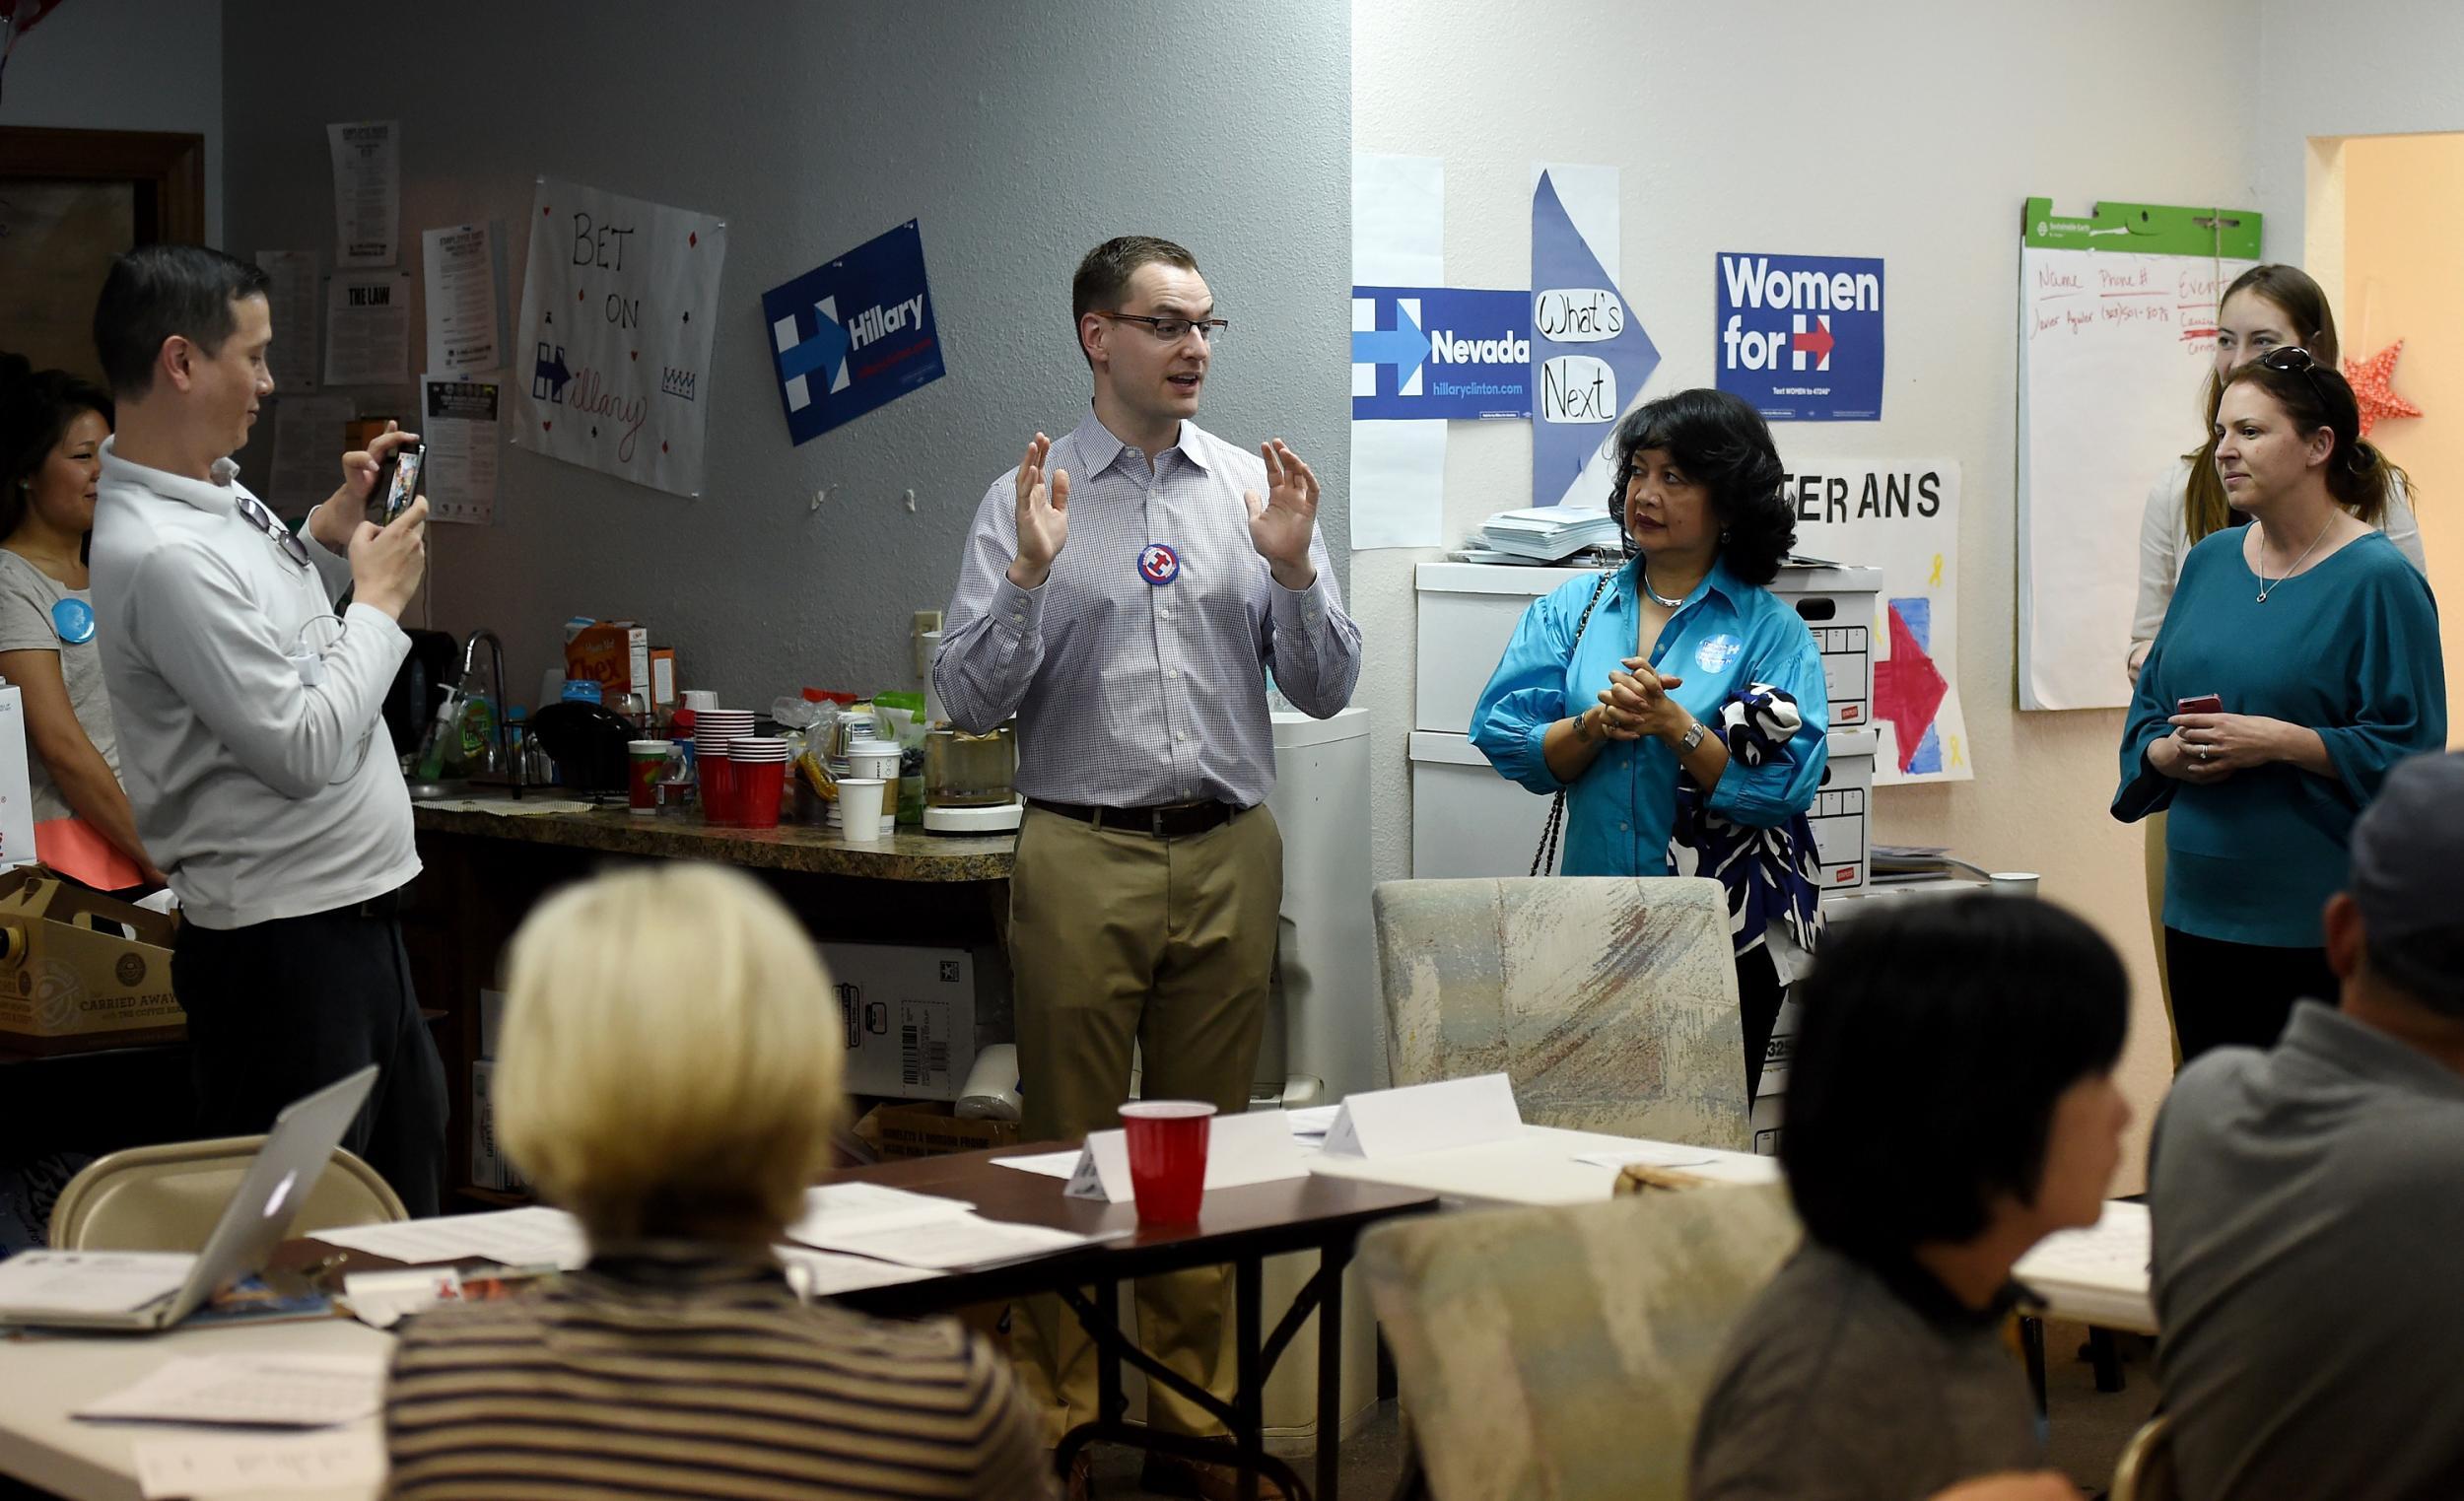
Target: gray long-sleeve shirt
1138	677
250	714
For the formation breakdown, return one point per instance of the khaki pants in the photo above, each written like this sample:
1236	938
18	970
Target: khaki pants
1114	938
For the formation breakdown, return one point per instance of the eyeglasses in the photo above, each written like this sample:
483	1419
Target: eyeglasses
285	541
1173	330
2292	357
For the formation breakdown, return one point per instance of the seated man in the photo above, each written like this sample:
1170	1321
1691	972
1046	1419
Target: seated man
669	1073
2309	1199
1951	1104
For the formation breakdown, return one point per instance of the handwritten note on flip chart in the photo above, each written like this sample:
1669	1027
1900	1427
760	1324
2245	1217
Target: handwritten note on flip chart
2116	335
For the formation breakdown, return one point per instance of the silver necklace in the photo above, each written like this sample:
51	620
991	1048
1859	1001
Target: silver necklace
2266	587
1663	600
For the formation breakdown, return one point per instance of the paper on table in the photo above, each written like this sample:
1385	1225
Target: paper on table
1050	1164
848	1208
1658	1155
261	1390
90	1281
505	807
513	1237
1252	1148
2107	1259
827	1274
1399	484
381	1299
1316	1121
1426	1118
213	1465
947	1242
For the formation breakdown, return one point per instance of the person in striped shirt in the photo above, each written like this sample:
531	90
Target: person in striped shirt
669	1072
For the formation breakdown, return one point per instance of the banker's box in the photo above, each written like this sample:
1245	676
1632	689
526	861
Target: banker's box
79	970
915	1017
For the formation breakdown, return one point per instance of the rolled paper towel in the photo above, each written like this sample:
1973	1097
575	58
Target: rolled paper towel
991	1092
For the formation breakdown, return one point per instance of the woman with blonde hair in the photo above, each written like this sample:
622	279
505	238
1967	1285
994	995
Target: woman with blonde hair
669	1072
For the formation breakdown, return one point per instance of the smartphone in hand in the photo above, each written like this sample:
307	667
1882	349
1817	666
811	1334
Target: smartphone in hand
397	483
2206	703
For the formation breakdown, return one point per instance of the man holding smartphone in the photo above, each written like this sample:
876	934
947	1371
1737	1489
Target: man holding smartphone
253	739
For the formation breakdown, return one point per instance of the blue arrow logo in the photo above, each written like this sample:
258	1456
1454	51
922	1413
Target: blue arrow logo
1402	346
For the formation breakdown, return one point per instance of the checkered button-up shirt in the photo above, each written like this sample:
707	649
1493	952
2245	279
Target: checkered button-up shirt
1128	692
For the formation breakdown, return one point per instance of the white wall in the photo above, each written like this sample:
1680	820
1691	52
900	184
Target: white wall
1908	129
2369	67
1020	136
127	65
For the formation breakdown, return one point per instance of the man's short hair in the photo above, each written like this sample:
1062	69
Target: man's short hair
157	291
2406	847
670	1063
1934	1039
1103	277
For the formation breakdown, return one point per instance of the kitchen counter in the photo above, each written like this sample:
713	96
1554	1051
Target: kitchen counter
905	856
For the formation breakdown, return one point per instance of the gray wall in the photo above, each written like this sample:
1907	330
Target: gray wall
1019	135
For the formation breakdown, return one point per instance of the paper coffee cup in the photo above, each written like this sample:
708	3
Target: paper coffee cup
860	804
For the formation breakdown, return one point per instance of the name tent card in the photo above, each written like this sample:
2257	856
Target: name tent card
1426	1118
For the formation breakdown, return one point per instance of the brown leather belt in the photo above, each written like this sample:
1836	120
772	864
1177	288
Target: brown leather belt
1172	821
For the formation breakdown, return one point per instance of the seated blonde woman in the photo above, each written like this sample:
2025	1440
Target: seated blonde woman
669	1072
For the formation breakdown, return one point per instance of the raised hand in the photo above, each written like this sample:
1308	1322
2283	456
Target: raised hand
1281	526
1042	516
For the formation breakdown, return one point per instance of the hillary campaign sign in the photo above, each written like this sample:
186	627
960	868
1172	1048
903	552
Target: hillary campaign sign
855	334
1440	352
1801	336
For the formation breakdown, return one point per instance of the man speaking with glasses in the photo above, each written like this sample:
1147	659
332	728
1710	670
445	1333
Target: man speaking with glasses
262	778
1125	592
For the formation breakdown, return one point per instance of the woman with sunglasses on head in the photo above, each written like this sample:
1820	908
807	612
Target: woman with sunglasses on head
2299	661
1676	703
51	430
2266	307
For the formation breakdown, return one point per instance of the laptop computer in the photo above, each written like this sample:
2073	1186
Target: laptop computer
154	1290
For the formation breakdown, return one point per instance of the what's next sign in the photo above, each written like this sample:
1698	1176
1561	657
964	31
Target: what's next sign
1801	336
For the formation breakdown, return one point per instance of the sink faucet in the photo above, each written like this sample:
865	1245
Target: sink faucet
496	664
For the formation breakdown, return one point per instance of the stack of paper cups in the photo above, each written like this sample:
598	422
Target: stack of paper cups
760	766
879	759
714	730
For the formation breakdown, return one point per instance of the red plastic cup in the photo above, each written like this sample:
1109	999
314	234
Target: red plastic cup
719	784
758	786
1167	1157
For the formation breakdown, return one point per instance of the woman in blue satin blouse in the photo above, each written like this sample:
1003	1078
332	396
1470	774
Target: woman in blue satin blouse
1676	703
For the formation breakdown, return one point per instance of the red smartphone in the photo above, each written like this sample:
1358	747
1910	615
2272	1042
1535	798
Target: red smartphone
2206	703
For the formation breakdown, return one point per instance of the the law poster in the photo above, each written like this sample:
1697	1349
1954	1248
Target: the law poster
1902	517
1590	355
855	334
368	329
1801	336
611	354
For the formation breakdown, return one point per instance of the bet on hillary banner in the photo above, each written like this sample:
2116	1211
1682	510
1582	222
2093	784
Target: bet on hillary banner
612	353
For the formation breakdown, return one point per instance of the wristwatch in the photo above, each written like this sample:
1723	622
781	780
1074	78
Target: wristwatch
1692	738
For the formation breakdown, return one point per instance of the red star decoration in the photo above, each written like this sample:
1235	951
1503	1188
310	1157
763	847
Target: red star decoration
1907	689
2372	386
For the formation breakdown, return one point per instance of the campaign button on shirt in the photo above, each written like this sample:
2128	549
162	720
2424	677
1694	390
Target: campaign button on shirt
1159	565
73	619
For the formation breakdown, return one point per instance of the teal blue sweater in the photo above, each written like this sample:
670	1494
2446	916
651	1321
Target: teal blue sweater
2350	649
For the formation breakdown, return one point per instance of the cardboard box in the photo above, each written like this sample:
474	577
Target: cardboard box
489	1166
613	654
69	979
929	1130
914	1016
